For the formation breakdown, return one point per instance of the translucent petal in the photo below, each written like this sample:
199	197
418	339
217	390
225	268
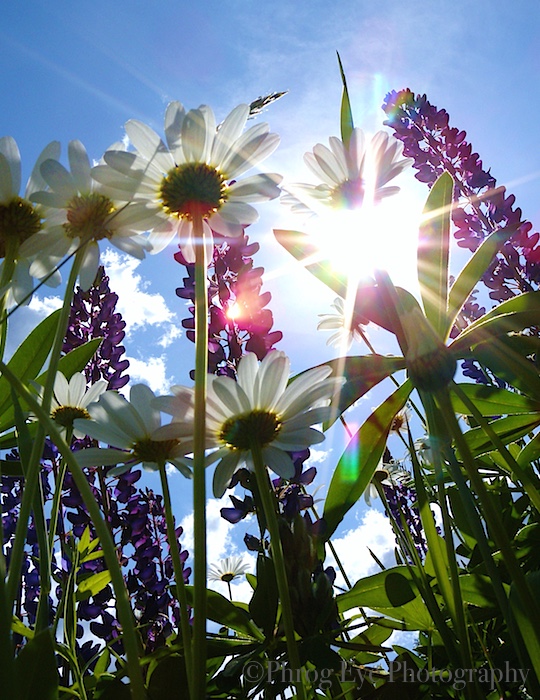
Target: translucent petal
278	461
89	266
61	389
248	368
256	188
59	179
272	379
131	246
77	389
228	133
95	456
36	181
328	163
232	395
313	165
108	434
194	136
141	397
210	121
10	150
80	166
224	472
249	150
160	237
338	149
6	188
94	392
239	213
174	118
225	228
145	139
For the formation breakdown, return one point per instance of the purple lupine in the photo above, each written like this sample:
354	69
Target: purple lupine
483	207
239	321
402	502
93	315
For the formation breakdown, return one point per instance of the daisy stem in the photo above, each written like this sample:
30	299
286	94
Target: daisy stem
269	505
7	273
178	576
199	471
125	614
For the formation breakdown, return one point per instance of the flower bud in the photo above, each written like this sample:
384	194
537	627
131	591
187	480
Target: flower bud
430	364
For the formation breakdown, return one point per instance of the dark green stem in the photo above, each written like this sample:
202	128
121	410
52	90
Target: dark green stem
199	465
269	505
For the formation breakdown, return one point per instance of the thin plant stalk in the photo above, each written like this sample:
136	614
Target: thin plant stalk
269	505
7	272
125	614
178	577
199	464
32	475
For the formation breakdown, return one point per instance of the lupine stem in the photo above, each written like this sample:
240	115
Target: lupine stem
178	577
269	505
199	471
125	614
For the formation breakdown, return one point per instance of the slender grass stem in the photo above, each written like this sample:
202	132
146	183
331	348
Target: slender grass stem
199	471
178	576
269	506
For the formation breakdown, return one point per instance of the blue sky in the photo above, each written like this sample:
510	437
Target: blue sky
80	70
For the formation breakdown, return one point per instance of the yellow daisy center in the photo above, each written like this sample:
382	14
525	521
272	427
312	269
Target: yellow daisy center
89	217
18	221
65	415
193	188
349	194
158	451
240	432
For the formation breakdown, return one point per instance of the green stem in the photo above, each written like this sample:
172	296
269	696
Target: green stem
199	465
178	576
32	475
269	505
7	273
129	635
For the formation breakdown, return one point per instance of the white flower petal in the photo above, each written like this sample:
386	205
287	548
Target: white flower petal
61	390
225	228
77	389
36	181
10	151
89	266
174	118
194	136
145	139
96	456
59	179
224	472
6	188
228	133
256	188
279	461
141	397
80	166
239	213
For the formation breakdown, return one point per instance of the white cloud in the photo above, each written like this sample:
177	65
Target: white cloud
138	307
170	336
44	307
151	371
373	533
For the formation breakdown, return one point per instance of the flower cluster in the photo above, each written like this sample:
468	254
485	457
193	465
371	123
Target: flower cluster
482	207
239	320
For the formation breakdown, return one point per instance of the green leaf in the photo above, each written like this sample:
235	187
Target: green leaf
167	678
493	401
225	613
347	124
29	358
35	669
357	465
10	467
301	247
530	452
474	269
75	360
391	592
361	375
508	429
513	314
263	605
433	249
93	584
499	355
478	590
19	627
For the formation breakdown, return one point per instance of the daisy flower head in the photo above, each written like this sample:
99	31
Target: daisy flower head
130	426
345	330
351	174
228	569
20	219
71	400
260	410
196	173
86	212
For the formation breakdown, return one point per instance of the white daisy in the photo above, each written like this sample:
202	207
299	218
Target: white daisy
196	173
345	331
19	219
228	569
349	174
388	474
130	426
259	409
71	400
86	213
